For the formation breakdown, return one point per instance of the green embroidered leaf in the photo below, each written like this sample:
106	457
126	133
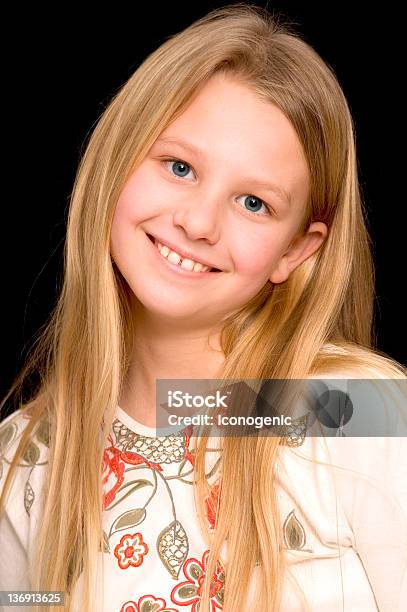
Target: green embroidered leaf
128	519
294	533
106	547
138	484
188	591
31	454
43	432
195	570
173	546
7	435
150	605
29	497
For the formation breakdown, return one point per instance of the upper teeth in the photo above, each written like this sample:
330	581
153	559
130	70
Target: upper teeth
175	258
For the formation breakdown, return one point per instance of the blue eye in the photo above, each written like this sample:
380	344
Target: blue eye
178	166
254	201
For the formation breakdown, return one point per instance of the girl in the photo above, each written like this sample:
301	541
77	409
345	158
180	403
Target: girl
216	230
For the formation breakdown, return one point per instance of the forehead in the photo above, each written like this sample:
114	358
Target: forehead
231	125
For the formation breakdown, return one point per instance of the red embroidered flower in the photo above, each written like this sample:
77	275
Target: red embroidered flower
112	474
147	603
131	550
114	467
211	504
188	592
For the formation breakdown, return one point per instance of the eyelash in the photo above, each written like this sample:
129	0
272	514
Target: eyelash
251	212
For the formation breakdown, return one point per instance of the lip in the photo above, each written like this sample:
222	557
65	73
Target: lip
177	268
184	254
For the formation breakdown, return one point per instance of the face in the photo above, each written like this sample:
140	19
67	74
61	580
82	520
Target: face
225	184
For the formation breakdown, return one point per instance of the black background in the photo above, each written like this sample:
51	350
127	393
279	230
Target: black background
62	67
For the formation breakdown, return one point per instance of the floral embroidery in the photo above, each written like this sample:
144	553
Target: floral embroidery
188	592
162	449
162	461
147	603
114	462
131	550
130	452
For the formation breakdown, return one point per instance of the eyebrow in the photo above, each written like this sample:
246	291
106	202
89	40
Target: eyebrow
266	185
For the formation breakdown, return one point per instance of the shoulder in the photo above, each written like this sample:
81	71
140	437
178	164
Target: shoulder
373	435
367	454
11	431
21	503
358	476
27	479
11	428
376	400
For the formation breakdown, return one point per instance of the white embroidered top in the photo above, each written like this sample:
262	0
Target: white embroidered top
345	528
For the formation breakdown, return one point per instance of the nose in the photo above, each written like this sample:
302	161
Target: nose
200	218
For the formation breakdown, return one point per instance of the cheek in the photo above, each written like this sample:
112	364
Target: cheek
255	256
139	199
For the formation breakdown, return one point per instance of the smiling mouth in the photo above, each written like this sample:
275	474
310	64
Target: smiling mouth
153	240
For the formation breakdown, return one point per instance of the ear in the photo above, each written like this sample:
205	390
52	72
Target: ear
300	249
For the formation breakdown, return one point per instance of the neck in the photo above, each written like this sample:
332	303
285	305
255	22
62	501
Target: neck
164	351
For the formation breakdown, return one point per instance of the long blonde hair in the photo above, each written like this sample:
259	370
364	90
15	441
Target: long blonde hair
319	320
